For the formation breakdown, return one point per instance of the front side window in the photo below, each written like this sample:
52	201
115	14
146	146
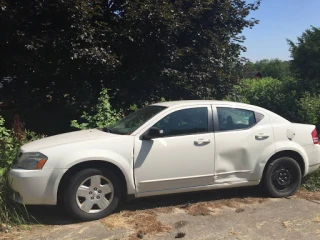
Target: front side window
234	118
132	122
184	122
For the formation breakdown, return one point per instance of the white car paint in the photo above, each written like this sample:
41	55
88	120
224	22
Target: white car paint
165	165
175	159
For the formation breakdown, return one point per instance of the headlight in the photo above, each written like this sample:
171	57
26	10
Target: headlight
31	161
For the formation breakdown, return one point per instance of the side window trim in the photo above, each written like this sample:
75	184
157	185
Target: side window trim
217	124
210	119
216	127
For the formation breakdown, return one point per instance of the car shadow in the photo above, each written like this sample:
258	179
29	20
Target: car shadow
53	215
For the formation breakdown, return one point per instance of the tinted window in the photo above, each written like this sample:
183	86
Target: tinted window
132	122
233	119
187	121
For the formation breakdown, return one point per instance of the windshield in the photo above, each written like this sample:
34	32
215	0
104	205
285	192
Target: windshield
132	122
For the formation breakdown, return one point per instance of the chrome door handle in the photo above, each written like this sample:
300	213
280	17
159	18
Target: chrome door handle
199	141
261	136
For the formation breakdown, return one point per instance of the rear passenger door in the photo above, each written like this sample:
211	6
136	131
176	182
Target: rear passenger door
242	136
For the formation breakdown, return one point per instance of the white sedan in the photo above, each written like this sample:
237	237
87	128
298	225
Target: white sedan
168	147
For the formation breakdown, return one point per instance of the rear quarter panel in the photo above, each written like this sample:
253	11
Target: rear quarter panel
296	137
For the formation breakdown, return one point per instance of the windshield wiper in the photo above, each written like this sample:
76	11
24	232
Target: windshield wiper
105	129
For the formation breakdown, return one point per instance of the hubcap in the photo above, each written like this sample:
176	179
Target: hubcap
94	194
281	178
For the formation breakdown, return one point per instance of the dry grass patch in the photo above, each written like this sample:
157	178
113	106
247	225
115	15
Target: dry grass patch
311	196
316	219
142	222
140	217
198	209
206	208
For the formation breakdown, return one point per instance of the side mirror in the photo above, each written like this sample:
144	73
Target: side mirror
152	133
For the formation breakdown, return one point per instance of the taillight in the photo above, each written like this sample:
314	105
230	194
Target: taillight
315	136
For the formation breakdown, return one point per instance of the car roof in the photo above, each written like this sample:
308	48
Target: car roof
196	102
275	118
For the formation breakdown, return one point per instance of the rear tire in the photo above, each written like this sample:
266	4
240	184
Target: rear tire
92	194
282	177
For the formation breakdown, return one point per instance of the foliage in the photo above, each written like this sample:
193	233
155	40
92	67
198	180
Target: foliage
61	48
309	108
274	68
312	181
11	140
187	49
101	115
70	50
7	146
269	93
306	55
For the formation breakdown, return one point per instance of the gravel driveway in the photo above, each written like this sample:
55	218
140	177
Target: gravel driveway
229	214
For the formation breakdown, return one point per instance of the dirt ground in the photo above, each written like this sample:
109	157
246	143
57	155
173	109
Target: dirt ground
243	213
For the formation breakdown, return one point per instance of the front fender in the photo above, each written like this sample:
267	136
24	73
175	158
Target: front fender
123	164
68	159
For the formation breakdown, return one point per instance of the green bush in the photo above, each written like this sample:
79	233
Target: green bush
101	115
10	142
273	94
309	108
7	147
308	112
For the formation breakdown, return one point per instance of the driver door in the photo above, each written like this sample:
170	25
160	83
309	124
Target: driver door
182	158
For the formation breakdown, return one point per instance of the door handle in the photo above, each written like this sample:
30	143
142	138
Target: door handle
261	136
199	141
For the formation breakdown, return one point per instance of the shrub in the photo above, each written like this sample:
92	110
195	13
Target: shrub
10	142
309	108
272	94
101	115
312	181
8	147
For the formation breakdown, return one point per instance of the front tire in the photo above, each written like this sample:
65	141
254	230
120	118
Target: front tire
92	194
282	177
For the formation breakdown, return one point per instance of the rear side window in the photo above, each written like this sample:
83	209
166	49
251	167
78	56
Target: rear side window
235	119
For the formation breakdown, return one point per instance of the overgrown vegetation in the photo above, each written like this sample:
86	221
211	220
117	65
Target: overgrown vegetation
10	142
312	182
100	115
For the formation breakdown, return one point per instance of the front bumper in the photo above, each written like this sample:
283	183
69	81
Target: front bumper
35	187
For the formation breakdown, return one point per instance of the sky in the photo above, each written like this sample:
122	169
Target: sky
279	20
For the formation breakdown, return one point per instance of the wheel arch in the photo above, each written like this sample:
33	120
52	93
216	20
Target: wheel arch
91	164
287	153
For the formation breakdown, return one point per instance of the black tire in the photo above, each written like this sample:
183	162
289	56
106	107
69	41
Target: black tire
282	177
73	201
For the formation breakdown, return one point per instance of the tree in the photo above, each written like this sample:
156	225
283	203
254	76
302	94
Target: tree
51	50
274	68
306	59
69	50
180	49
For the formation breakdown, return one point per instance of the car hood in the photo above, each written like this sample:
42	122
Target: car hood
66	138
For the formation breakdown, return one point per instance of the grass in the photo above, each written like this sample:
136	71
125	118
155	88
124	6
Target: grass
11	213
